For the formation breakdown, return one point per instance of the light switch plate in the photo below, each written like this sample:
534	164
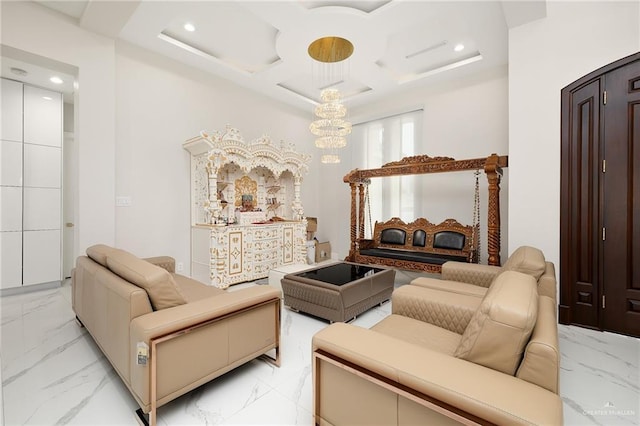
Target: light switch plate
123	201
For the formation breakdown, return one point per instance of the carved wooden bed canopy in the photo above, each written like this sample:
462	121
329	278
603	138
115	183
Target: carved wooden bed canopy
423	164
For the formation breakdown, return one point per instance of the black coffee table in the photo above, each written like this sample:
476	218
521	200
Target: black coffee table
338	292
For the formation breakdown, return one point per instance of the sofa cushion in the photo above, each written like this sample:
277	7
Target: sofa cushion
450	286
393	236
419	333
500	329
98	253
157	282
527	260
449	240
412	255
419	238
195	290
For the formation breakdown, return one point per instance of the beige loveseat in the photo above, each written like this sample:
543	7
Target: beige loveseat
475	279
442	358
194	332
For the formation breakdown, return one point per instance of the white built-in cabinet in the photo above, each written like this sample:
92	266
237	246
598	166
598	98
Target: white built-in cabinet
30	185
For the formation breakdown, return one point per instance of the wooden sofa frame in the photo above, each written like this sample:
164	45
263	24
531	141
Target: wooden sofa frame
492	165
422	245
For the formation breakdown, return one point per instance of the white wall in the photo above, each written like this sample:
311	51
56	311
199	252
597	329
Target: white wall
466	119
34	29
545	56
157	104
132	112
161	103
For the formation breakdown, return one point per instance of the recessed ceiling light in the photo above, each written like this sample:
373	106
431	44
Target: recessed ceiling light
459	47
19	71
47	98
56	80
189	27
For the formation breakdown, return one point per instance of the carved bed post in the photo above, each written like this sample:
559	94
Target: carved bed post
352	249
493	172
361	211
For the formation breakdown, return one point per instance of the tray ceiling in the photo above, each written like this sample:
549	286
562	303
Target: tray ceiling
262	45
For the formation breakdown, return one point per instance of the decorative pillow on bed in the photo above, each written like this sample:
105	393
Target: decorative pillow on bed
157	282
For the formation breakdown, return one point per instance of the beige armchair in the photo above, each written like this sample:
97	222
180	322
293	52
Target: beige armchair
444	358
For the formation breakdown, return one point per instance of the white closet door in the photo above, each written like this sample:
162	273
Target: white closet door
42	117
11	163
42	166
31	185
41	209
11	111
10	259
11	208
41	262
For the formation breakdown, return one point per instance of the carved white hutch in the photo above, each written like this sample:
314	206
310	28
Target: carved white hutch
246	213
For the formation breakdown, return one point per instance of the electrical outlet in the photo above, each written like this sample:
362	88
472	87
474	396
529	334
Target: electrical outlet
179	267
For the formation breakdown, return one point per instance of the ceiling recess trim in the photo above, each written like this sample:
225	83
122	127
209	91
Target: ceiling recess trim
427	49
413	77
211	57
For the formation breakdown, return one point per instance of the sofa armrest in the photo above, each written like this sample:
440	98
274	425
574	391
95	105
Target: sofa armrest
471	273
194	356
453	384
448	310
166	262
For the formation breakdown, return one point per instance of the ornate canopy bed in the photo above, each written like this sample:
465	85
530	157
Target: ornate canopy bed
421	245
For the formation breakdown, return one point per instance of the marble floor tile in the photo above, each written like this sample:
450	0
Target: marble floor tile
53	373
599	377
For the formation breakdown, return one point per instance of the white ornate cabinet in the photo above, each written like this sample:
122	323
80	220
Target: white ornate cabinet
228	175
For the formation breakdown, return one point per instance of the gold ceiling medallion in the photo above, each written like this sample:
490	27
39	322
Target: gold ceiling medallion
331	126
330	49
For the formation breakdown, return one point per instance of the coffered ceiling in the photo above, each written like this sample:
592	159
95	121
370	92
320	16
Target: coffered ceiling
262	45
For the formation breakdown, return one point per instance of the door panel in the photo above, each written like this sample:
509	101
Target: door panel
42	117
41	257
10	163
600	199
621	215
582	224
10	259
11	110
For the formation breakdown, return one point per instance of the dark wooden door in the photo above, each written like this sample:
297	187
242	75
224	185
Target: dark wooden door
621	201
600	199
580	222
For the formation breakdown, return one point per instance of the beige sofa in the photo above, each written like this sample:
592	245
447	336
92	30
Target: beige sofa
474	279
443	357
194	332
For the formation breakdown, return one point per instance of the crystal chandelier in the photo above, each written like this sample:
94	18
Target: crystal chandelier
330	125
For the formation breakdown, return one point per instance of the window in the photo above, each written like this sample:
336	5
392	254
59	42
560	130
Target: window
382	141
